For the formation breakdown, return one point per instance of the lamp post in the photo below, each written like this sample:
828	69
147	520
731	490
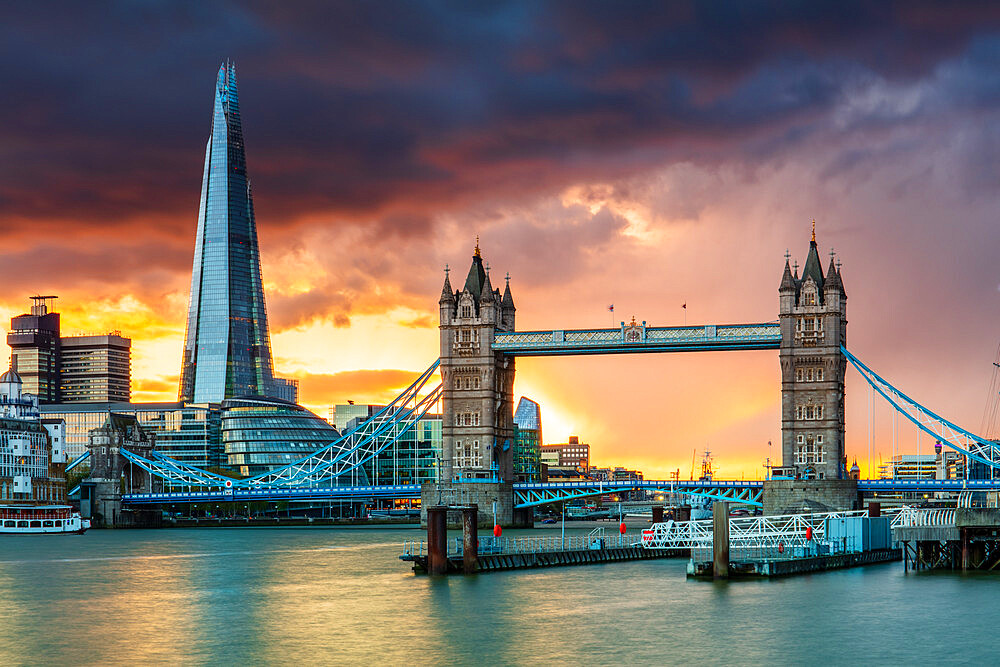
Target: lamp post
563	538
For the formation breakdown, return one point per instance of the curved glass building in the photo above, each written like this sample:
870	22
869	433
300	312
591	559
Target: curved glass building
260	433
527	441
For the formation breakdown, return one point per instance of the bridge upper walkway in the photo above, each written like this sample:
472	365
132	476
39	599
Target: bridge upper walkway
640	338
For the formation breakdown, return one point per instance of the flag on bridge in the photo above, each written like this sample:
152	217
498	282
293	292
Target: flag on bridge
611	308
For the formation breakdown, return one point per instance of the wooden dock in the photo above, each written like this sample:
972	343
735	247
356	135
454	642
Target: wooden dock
770	568
524	561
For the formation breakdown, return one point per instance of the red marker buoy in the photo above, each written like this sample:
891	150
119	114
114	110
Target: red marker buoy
621	528
809	533
497	531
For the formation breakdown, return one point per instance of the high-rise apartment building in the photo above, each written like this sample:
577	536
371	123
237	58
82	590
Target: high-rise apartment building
68	369
34	344
227	347
95	368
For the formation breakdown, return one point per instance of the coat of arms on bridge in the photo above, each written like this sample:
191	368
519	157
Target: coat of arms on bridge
634	332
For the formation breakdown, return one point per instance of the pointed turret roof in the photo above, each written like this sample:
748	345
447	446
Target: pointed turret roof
447	296
508	300
477	275
486	296
833	276
813	269
787	281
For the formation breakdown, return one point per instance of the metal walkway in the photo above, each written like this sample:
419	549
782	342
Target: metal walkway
640	338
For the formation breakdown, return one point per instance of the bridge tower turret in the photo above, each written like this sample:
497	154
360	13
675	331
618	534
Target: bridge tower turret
813	316
478	383
112	475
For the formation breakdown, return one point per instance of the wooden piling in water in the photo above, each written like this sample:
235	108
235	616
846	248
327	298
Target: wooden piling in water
720	540
437	540
470	539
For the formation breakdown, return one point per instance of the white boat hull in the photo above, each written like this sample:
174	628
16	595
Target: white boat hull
43	526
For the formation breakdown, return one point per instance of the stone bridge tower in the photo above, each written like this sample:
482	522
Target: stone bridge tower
813	318
478	394
112	475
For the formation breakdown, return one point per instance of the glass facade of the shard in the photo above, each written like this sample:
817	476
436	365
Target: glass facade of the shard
227	349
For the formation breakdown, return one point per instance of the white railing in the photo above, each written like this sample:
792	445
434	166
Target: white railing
744	532
912	517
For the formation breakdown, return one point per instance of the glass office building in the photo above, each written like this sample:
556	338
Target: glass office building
527	441
227	348
188	433
413	458
344	414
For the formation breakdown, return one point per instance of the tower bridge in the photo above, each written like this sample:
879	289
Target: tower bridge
479	345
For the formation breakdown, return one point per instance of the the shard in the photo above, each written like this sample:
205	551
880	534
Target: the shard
227	348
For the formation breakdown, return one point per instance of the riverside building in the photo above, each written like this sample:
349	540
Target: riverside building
32	457
572	454
190	433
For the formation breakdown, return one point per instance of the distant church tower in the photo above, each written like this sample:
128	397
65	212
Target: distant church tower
477	400
813	317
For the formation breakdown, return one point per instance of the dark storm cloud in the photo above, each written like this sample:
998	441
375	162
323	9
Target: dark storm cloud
394	109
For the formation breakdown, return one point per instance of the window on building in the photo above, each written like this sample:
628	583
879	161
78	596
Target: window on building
466	311
809	298
819	375
466	335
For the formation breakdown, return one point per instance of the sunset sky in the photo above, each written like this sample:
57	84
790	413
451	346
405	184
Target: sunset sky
640	154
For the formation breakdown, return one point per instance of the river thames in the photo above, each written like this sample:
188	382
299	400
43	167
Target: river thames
340	595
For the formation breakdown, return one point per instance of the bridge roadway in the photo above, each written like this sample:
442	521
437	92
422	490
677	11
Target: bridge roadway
533	494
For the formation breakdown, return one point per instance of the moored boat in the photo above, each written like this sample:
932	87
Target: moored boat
40	519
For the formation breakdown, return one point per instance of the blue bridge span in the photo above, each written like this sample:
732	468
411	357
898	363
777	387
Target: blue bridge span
325	474
534	494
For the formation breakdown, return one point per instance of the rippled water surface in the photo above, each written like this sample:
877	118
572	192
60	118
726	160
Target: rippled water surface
340	595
